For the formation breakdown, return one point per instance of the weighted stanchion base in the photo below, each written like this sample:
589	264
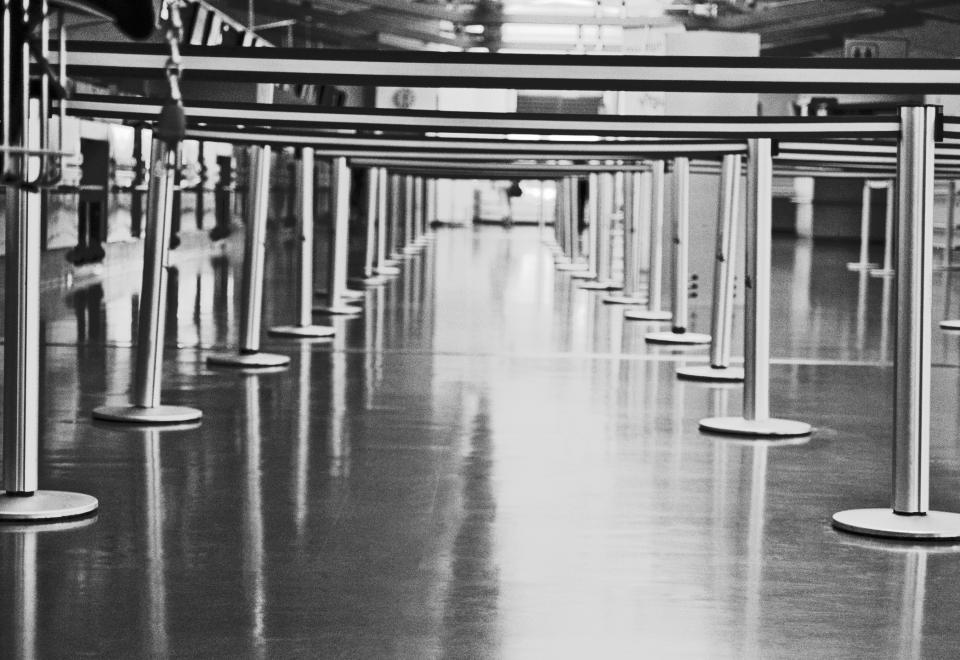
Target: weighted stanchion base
306	331
249	360
143	415
856	265
756	428
583	275
388	263
400	257
354	294
338	310
714	374
882	272
951	324
933	526
411	249
602	286
647	315
683	338
625	300
571	265
388	271
46	505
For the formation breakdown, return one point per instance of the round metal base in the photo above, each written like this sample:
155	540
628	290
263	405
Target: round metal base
608	285
354	294
755	428
951	324
625	300
46	505
684	338
571	266
583	275
388	263
388	271
882	272
141	415
411	249
345	310
647	315
306	331
856	265
934	526
249	360
715	374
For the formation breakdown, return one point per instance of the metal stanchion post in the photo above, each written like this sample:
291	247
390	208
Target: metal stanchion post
756	420
633	201
681	248
384	266
604	242
409	216
721	319
254	256
593	230
370	277
337	281
397	237
305	326
910	516
146	407
430	207
568	252
21	498
887	269
653	312
864	263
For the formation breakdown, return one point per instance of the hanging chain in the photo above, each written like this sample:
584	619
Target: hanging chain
171	127
173	33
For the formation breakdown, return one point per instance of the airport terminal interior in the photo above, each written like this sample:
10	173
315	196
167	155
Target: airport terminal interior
480	329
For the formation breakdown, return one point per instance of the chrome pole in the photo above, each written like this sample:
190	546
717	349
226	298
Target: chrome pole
756	420
21	498
430	207
373	185
951	221
887	269
678	333
604	239
254	256
632	204
408	215
910	516
396	219
306	236
384	267
337	280
251	289
593	229
864	263
305	326
654	312
721	320
911	427
151	324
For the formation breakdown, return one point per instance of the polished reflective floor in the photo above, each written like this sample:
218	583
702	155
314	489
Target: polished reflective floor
489	463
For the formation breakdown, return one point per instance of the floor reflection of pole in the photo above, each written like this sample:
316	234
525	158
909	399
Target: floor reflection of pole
338	443
303	439
253	516
25	598
912	600
155	509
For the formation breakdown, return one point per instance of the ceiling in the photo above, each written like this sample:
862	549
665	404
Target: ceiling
786	27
